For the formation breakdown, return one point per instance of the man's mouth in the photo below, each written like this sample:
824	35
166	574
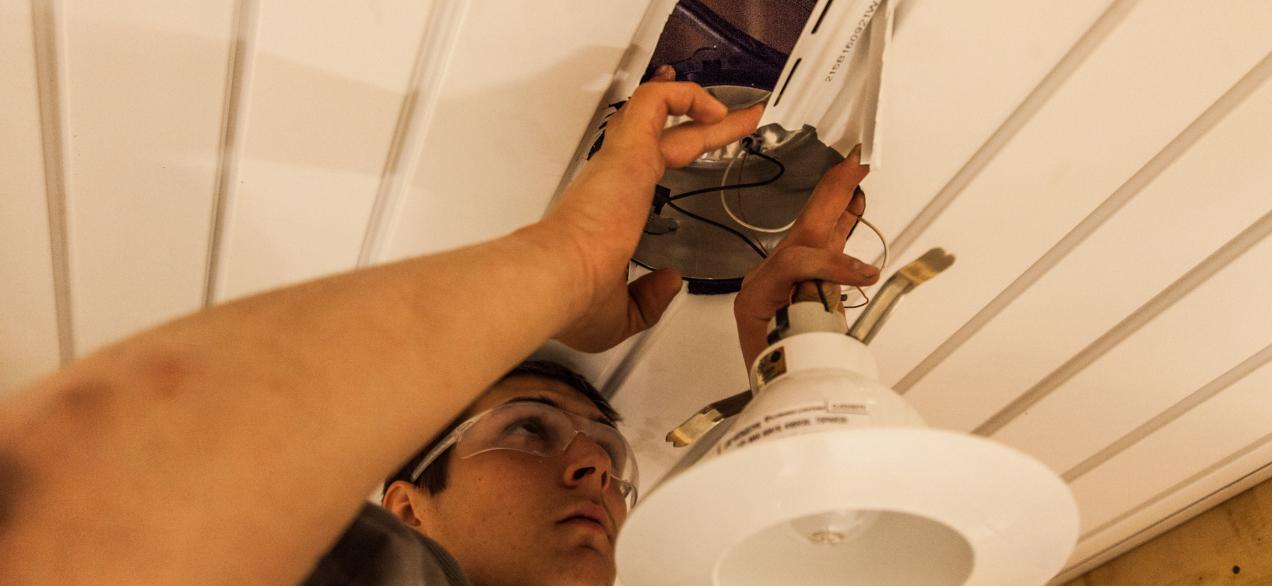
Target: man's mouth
589	515
586	521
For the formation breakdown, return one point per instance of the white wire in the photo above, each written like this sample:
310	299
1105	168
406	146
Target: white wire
882	265
724	201
882	240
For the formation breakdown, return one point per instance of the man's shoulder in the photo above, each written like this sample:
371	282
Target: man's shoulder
376	548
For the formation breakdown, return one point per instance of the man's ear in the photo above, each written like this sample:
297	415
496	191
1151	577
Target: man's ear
403	500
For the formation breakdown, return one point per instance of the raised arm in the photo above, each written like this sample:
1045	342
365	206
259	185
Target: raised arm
233	445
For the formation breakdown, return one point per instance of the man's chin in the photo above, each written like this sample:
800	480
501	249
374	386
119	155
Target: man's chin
585	564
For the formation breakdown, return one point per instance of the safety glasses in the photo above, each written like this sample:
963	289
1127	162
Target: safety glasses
539	430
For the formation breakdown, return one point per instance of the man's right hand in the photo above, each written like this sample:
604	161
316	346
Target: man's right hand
604	209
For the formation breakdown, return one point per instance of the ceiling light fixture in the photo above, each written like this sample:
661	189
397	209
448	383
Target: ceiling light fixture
830	477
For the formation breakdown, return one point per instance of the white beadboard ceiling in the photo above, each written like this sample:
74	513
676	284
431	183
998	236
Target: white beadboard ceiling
1101	168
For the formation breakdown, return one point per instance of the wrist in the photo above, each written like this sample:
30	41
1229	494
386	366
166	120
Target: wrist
558	250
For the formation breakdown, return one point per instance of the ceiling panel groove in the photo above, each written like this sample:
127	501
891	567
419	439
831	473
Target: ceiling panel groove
1199	475
1056	77
1183	406
1145	313
433	56
234	120
1159	163
47	34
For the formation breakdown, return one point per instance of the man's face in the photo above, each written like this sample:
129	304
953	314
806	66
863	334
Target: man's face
508	516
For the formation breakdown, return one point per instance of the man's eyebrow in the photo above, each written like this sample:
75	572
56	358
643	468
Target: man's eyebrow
546	401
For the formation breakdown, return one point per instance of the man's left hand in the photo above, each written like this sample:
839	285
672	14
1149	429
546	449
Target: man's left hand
813	250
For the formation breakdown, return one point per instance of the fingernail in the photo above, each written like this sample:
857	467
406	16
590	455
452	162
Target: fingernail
855	154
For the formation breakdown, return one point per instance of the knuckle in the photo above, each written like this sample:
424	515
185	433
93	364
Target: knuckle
787	255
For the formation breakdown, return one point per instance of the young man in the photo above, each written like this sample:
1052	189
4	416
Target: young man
521	488
236	444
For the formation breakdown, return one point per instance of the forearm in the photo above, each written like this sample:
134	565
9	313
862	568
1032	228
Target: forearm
257	427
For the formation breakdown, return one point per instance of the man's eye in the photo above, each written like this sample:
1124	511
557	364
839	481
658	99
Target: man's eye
528	427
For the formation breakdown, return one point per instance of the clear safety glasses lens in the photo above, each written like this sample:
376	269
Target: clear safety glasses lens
546	431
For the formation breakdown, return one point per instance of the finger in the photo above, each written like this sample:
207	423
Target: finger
847	221
645	114
831	197
664	73
650	296
682	144
771	283
858	204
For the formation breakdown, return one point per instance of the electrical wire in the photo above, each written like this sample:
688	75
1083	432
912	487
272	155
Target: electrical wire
781	169
882	265
747	144
821	294
882	240
724	201
758	248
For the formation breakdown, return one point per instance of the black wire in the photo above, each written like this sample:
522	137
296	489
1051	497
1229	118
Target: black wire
821	294
757	248
749	145
862	304
781	169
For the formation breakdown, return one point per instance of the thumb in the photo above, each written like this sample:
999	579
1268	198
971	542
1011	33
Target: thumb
650	295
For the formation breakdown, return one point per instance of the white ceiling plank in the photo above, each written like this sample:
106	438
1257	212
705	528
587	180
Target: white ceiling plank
328	82
144	86
432	58
1218	324
1227	478
515	102
28	317
1147	522
1094	133
1166	417
696	361
956	73
1212	445
1187	212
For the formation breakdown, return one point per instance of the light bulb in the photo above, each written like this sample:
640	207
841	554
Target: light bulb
833	527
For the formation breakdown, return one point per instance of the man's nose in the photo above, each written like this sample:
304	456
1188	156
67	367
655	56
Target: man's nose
587	461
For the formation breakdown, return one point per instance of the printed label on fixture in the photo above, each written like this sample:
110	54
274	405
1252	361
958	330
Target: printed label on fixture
798	420
770	367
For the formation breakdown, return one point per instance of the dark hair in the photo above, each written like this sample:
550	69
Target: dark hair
433	479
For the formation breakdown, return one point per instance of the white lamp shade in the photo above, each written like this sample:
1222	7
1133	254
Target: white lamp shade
829	477
951	509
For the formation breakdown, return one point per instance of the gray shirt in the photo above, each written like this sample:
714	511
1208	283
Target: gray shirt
379	549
